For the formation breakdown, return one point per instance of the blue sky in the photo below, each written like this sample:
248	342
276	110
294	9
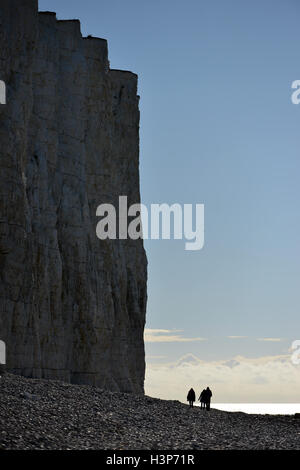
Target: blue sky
217	127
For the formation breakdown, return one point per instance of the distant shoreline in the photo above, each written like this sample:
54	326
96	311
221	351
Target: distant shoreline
260	408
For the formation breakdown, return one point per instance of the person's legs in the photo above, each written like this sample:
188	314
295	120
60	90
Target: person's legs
208	405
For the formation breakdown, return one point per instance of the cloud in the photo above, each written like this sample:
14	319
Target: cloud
166	336
231	363
267	379
188	359
272	340
158	331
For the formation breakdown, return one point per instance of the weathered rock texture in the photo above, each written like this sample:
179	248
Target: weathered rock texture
72	306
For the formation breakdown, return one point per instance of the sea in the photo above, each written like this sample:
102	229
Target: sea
260	408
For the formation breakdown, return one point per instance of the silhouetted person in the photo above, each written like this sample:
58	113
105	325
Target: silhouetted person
191	397
208	395
202	399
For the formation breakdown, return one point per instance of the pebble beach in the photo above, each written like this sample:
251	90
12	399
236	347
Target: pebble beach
53	415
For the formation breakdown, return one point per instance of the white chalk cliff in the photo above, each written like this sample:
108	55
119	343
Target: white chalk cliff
72	307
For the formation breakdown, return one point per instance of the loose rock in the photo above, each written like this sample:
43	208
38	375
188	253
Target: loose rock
87	417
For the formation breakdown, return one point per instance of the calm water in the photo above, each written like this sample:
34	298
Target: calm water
260	408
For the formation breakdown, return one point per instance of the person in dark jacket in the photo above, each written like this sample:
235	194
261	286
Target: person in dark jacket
191	397
202	399
208	395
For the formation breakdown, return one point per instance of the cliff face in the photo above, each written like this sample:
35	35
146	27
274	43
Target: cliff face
72	306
